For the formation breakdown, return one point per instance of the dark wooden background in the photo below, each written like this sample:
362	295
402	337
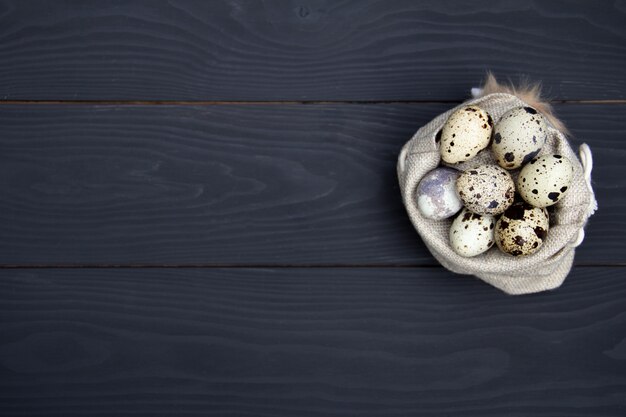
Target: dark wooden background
199	212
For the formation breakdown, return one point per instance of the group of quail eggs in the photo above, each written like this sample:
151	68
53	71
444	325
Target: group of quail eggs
491	205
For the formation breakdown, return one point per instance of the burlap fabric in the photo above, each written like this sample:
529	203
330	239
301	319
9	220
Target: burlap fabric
544	270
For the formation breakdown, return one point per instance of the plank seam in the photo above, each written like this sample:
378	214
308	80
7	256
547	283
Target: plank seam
260	266
259	102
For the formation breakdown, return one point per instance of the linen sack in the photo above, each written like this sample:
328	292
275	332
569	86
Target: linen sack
544	270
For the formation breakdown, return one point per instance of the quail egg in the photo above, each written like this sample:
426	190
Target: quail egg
466	132
518	137
436	194
472	234
522	229
544	180
486	189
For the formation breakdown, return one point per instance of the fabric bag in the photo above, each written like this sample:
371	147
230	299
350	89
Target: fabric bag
548	267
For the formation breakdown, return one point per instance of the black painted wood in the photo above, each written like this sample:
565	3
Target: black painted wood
308	342
241	184
305	185
305	50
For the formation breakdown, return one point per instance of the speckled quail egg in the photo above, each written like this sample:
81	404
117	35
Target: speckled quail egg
544	180
522	229
472	234
486	189
436	194
518	137
466	132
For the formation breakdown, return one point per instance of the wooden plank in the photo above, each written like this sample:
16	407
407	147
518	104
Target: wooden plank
251	185
321	50
308	342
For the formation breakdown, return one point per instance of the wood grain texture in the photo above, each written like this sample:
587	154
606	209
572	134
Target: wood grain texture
324	342
247	185
306	49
